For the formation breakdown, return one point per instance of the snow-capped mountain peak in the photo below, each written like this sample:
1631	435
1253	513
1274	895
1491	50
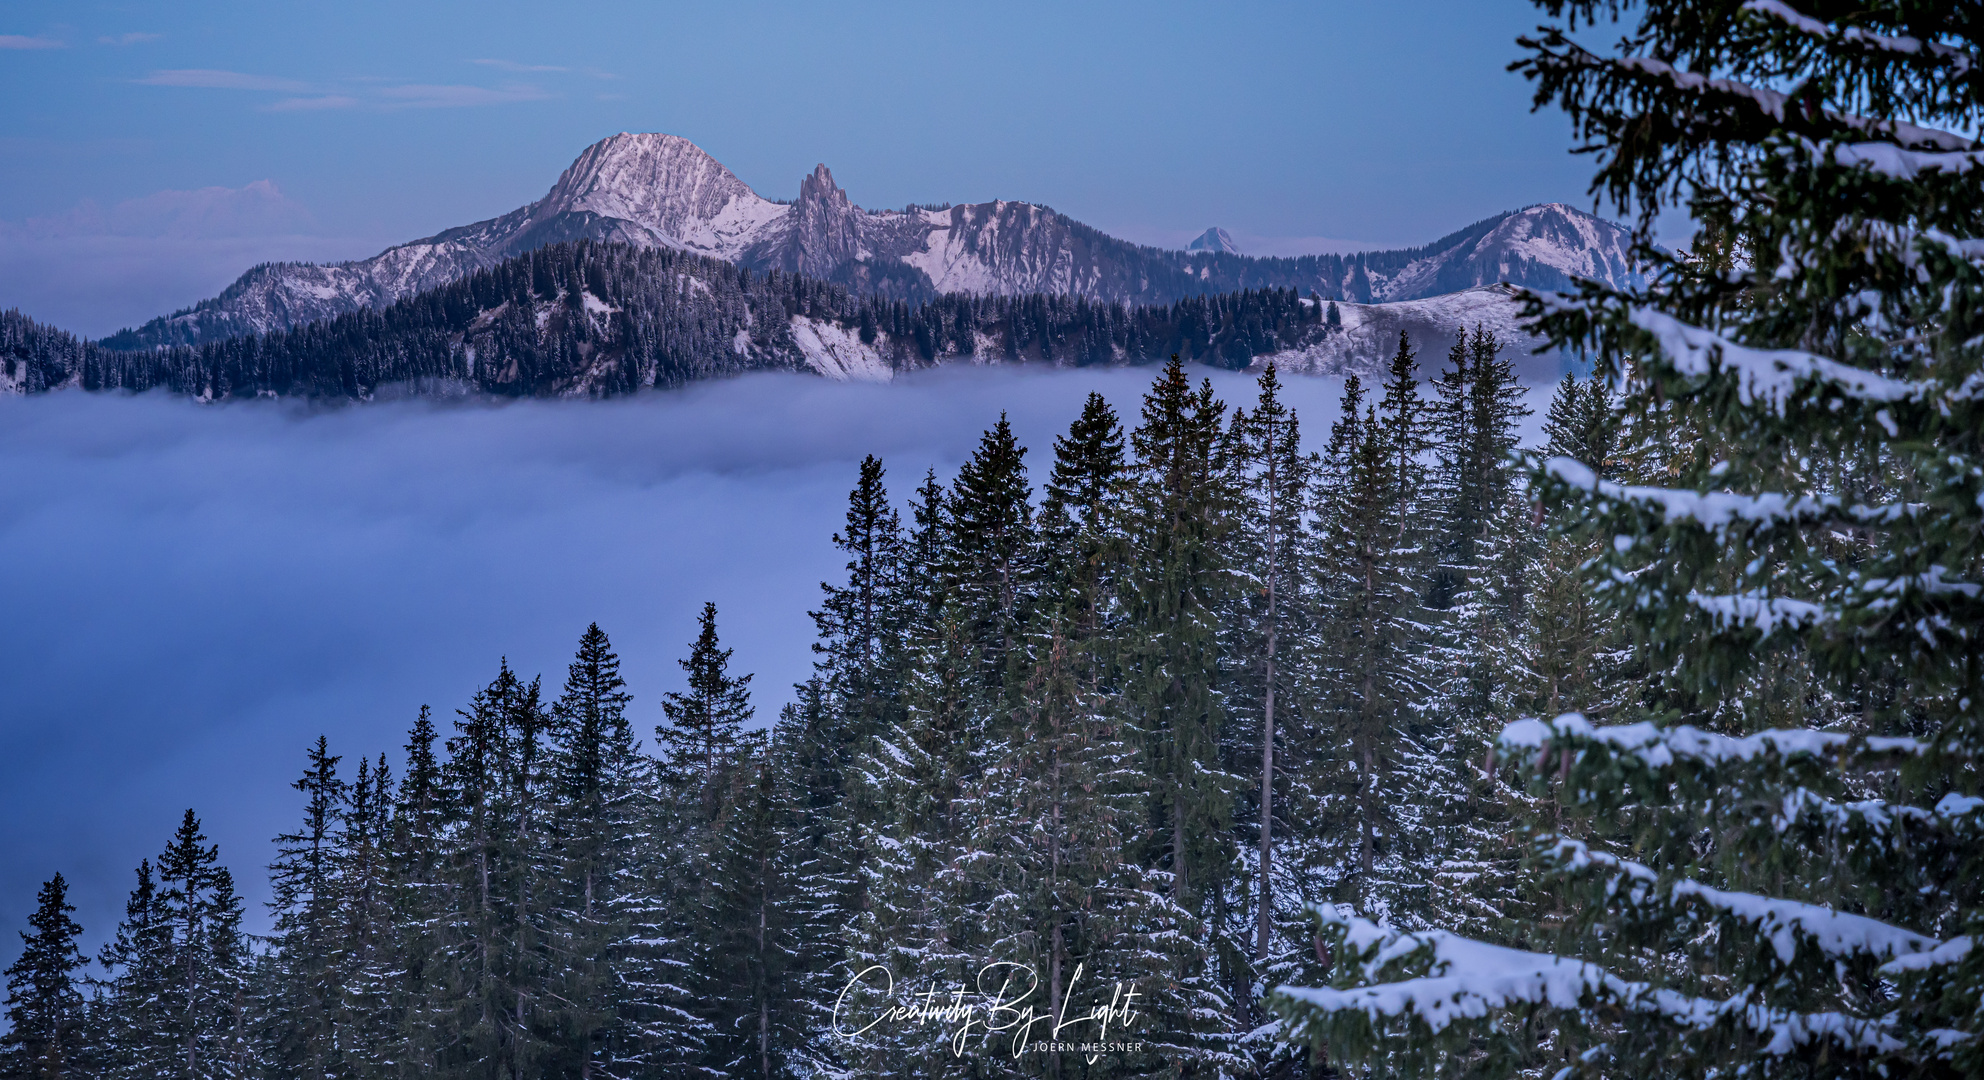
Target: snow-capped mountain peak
656	190
663	182
1214	239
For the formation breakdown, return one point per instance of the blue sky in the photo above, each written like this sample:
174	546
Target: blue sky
150	152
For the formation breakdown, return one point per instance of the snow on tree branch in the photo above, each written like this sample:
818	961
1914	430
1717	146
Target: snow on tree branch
1770	376
1660	748
1959	60
1469	980
1783	923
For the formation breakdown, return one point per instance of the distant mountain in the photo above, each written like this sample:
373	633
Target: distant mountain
587	319
661	191
1214	239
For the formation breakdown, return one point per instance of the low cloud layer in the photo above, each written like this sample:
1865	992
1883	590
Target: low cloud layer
196	592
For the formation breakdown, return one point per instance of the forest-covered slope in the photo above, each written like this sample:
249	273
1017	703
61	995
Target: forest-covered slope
591	319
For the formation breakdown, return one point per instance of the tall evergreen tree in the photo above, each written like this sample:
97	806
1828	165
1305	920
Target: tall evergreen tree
1794	894
706	723
1371	678
1079	518
761	1011
489	1006
202	1010
1179	510
1178	581
991	550
1273	478
915	929
860	624
46	1036
130	1014
594	823
308	978
404	977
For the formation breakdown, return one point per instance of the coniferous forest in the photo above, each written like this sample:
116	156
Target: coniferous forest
588	319
1648	751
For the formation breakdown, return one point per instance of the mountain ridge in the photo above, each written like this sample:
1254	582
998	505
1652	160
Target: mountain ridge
662	191
589	319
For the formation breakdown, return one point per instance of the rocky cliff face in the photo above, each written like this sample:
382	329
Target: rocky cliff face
662	191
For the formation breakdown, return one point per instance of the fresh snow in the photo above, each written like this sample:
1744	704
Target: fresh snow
1783	923
1370	332
837	353
1659	748
1766	376
1470	979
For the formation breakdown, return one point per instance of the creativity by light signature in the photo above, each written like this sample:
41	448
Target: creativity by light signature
998	1005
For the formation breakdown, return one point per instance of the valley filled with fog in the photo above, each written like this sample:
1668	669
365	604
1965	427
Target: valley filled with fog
195	592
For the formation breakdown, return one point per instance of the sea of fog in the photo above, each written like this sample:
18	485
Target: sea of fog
191	594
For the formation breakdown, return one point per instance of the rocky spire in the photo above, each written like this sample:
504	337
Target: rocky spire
825	230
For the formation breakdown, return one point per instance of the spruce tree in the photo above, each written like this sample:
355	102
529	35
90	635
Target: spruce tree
1178	580
365	919
1079	519
200	1023
46	1036
1274	480
593	824
1179	510
405	977
306	880
860	624
130	1012
915	929
753	987
1067	909
991	549
1751	882
490	1005
1370	675
704	724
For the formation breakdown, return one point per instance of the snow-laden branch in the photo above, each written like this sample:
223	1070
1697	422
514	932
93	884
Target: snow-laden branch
1775	105
1770	376
1713	510
1470	979
1896	163
1959	60
1935	581
1877	816
1755	610
1660	748
1949	952
1781	922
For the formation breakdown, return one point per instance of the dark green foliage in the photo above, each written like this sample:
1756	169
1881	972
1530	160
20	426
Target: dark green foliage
989	568
45	1037
306	881
1779	515
1178	511
706	723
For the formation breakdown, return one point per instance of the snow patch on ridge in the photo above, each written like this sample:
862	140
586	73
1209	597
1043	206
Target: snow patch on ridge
839	354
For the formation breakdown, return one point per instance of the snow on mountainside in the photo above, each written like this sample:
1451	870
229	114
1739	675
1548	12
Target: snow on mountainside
662	191
1369	335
